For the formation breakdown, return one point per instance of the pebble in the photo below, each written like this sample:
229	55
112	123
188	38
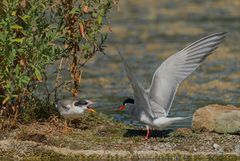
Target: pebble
218	148
194	149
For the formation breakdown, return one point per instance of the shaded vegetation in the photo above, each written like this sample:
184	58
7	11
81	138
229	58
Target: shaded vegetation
36	33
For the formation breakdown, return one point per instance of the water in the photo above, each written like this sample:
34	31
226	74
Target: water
149	32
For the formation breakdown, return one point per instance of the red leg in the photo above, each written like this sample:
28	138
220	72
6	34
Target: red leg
148	133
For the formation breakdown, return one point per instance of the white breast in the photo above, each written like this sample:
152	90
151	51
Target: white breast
73	113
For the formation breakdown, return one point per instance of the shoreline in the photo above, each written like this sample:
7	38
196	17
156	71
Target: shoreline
40	152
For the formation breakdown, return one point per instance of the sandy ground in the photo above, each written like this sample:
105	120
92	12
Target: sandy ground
96	135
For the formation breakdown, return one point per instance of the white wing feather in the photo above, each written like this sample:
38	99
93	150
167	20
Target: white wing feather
140	95
175	69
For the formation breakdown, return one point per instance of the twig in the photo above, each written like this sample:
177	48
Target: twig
80	76
64	82
57	78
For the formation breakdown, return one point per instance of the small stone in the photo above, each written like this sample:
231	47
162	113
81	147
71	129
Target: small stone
216	146
194	149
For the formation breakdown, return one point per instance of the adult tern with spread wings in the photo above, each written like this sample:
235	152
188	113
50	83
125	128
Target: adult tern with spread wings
151	106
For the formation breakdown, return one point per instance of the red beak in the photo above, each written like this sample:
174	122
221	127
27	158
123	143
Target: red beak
122	107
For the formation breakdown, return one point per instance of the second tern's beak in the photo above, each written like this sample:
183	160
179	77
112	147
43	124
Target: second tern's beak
89	108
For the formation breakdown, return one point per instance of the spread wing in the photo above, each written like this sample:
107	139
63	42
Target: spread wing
175	69
140	94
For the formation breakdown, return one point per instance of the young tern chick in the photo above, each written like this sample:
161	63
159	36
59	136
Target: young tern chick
151	106
71	109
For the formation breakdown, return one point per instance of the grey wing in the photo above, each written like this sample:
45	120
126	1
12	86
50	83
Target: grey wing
65	104
140	94
175	69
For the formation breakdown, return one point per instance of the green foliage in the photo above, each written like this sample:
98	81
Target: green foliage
80	33
25	48
35	33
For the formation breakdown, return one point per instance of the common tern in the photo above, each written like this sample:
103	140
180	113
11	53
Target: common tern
151	106
71	109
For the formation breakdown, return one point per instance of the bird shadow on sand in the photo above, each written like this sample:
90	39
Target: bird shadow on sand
141	132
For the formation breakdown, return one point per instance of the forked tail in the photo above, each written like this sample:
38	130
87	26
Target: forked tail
164	122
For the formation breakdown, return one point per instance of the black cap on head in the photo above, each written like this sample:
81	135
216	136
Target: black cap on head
80	103
128	100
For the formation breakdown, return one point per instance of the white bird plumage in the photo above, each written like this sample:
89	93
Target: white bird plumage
71	109
151	106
